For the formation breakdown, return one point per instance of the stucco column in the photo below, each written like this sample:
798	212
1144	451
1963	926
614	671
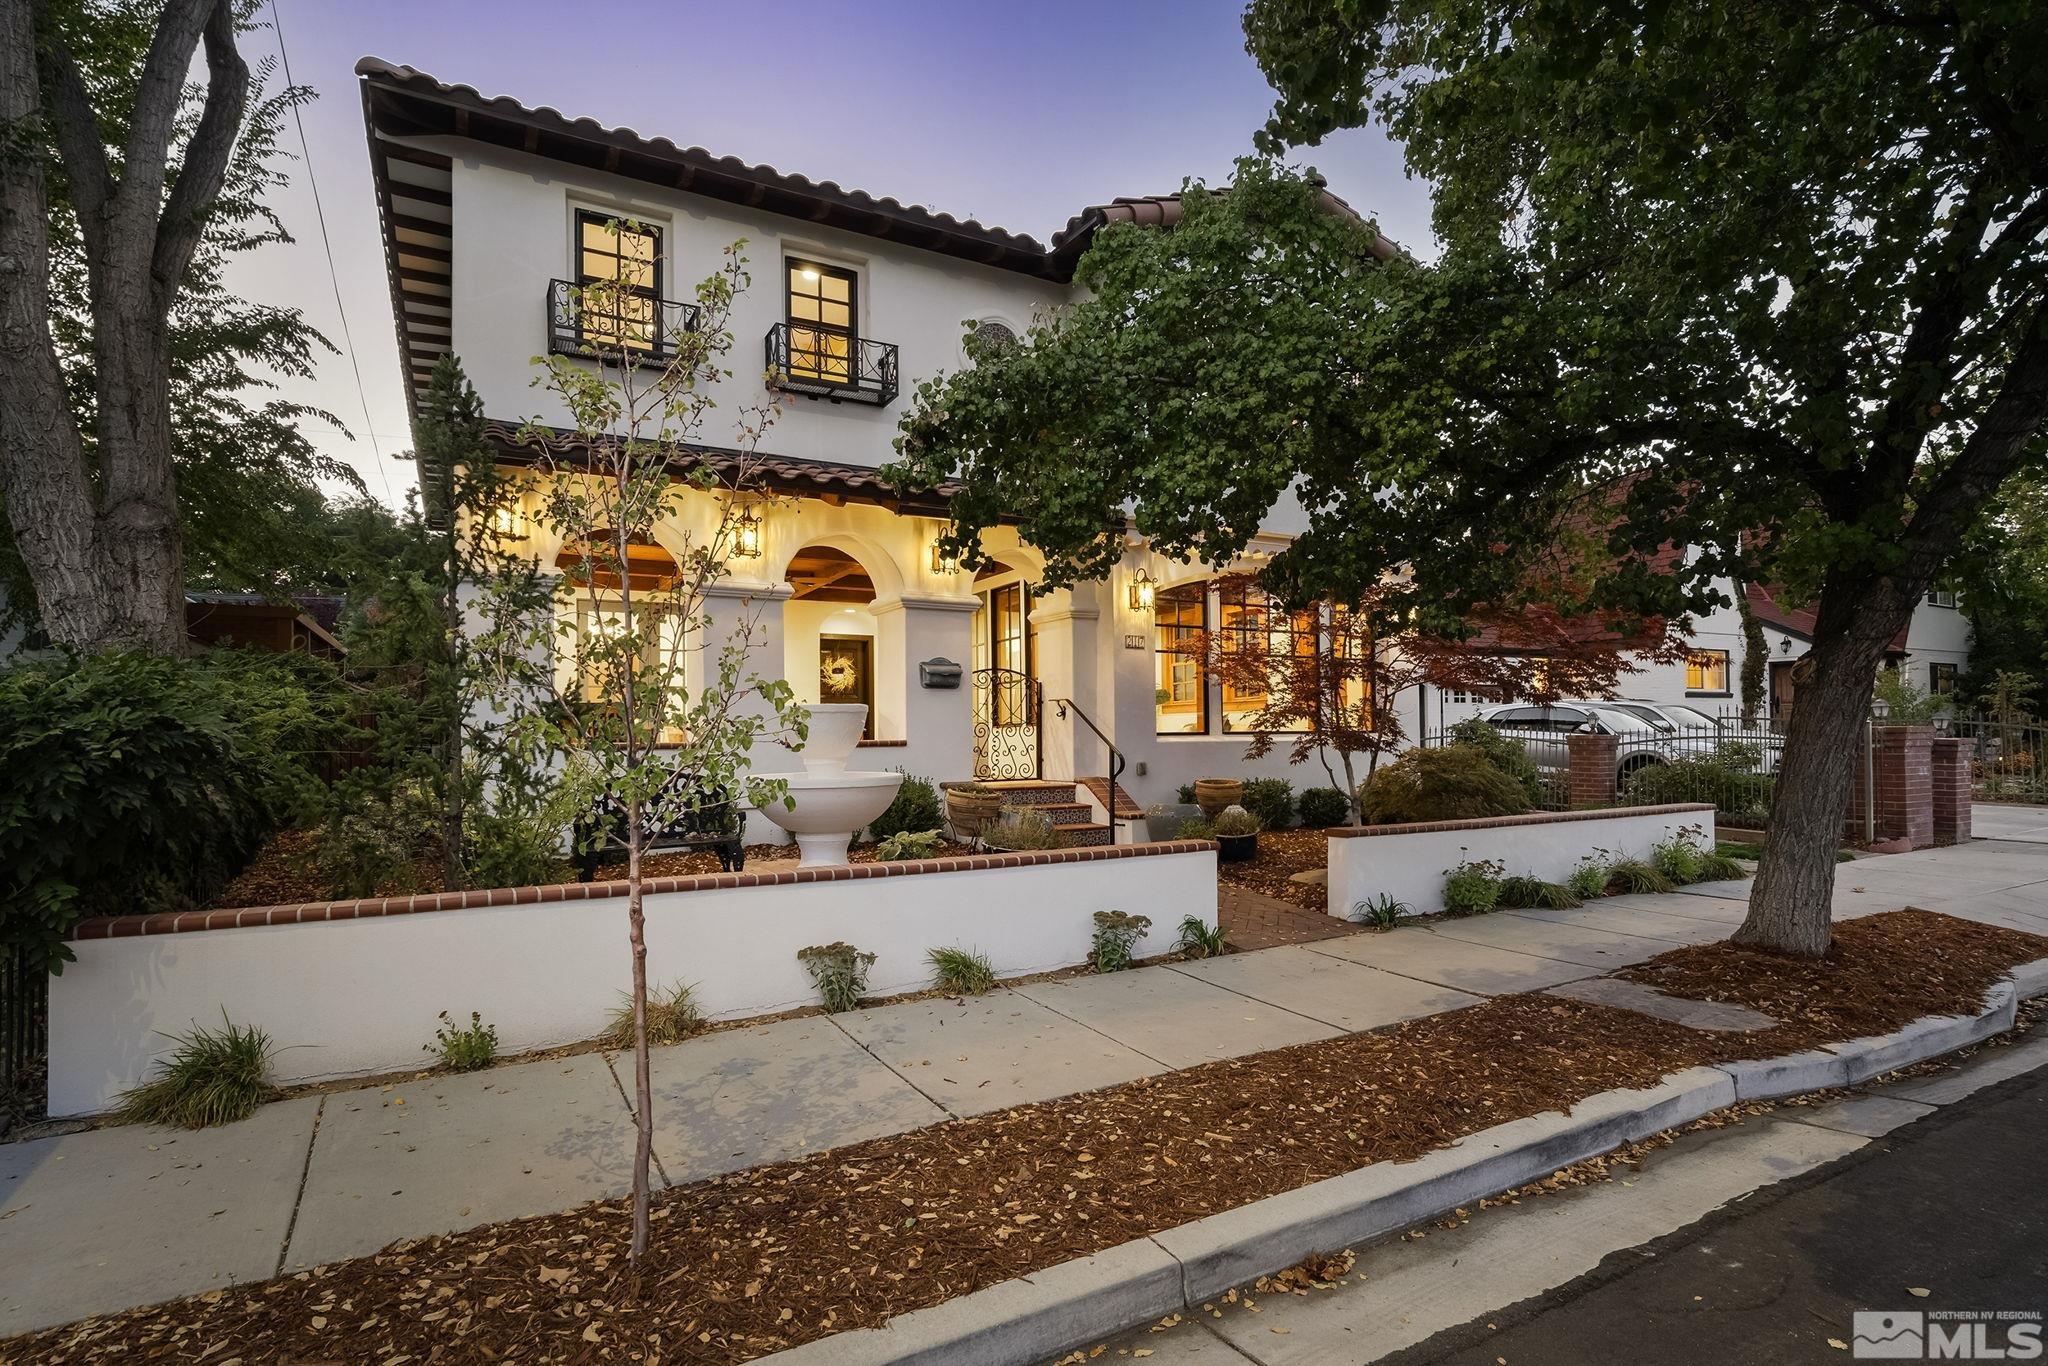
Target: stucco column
935	724
728	608
1066	623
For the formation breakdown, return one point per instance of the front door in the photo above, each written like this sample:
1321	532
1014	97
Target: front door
1006	695
1781	693
846	674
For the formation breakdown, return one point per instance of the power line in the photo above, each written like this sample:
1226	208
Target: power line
333	276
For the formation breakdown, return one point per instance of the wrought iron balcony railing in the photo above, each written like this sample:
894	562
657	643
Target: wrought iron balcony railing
607	323
830	363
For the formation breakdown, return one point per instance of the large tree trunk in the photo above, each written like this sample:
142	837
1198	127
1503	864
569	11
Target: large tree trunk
1791	904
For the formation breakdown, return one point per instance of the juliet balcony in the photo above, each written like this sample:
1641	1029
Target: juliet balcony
825	362
608	323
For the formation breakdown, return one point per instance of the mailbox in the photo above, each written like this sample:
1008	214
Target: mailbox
938	673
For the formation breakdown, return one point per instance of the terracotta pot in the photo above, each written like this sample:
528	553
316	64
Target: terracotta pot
1214	794
970	813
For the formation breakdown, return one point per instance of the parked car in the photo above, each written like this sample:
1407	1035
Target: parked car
1545	732
1690	724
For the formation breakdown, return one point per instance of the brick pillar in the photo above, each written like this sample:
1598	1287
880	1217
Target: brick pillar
1592	769
1905	785
1951	788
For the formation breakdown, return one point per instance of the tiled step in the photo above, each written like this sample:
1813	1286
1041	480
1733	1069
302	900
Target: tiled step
1127	808
1066	813
1089	832
1033	792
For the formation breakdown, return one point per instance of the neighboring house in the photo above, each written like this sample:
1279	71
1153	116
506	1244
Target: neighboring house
307	625
494	211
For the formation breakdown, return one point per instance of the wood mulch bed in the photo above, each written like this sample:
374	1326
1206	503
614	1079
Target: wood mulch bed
747	1263
1281	853
283	872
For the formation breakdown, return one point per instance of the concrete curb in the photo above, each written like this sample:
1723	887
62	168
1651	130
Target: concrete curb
1039	1317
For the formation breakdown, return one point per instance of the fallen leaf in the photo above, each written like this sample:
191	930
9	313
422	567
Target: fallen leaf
1920	1290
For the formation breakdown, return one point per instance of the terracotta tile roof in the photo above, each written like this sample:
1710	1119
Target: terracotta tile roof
1164	211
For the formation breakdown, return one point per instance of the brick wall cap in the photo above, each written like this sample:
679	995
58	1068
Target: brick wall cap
1532	818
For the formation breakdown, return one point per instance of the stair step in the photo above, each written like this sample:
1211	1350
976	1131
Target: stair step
1088	833
1066	813
1032	791
1127	808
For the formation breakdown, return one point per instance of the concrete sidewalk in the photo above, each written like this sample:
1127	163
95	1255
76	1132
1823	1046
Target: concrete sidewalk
123	1216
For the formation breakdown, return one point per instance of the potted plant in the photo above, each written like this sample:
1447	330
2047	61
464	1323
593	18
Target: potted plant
1213	795
970	807
1163	820
1237	835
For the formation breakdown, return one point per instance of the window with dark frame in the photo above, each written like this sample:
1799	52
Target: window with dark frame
1941	597
823	325
1251	623
1941	679
1180	618
618	282
1706	671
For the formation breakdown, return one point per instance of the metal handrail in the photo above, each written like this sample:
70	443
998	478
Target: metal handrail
867	371
1116	758
569	335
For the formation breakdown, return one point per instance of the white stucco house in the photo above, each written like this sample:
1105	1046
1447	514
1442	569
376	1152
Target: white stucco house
493	212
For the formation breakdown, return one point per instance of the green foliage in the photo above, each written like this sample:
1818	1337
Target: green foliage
1185	794
1234	822
464	1048
960	972
672	1016
916	807
2002	581
1117	936
1271	800
374	838
139	784
1455	782
1678	858
911	844
1322	807
1383	912
1732	777
1718	867
1589	878
1633	876
213	1076
1472	888
839	971
1020	827
1199	939
1504	753
1522	893
1904	703
1196	828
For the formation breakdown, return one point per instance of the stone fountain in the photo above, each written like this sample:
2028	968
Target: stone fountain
829	801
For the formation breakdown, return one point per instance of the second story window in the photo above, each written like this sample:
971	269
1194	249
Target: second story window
618	276
821	322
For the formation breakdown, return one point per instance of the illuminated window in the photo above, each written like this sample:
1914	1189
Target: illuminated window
1941	679
618	279
821	322
609	645
1180	618
1706	671
1254	627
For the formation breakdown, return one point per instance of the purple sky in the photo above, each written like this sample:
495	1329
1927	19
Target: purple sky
1016	116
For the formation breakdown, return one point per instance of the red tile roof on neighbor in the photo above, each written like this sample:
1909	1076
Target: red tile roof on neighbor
1764	601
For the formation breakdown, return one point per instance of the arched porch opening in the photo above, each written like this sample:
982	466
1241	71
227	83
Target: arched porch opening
829	630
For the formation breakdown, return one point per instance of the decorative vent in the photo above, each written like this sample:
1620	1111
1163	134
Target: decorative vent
994	333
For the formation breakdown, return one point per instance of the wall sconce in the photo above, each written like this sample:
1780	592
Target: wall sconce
942	563
1143	588
509	522
746	538
1785	645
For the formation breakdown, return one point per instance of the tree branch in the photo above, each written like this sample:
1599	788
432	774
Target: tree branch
79	143
206	156
158	93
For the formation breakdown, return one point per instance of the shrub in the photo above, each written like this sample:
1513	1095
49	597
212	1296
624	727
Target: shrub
961	972
464	1048
213	1076
1271	800
1504	752
916	808
839	971
1731	777
1234	822
1022	828
1185	794
513	835
1472	888
374	837
1634	875
138	784
911	844
1196	828
1677	859
1589	879
672	1016
1383	912
1199	939
1321	807
1719	867
1456	782
1521	893
1117	935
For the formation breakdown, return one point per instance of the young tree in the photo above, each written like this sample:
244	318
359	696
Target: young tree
634	463
1787	265
126	432
1332	677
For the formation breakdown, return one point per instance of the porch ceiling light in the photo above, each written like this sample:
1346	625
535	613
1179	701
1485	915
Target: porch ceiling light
746	537
1143	587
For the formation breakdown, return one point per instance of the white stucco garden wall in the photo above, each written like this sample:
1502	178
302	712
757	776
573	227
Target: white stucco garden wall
1408	863
360	996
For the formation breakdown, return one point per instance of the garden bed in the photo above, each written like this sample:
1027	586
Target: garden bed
1281	854
744	1264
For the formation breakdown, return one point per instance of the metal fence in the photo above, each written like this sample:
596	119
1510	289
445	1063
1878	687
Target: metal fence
24	1036
2008	758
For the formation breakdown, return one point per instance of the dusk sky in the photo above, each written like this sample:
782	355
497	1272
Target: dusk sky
1018	117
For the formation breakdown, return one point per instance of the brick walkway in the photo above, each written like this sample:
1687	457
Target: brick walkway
1253	920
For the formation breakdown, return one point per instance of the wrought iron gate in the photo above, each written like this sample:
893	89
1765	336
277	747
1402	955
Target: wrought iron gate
1008	711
